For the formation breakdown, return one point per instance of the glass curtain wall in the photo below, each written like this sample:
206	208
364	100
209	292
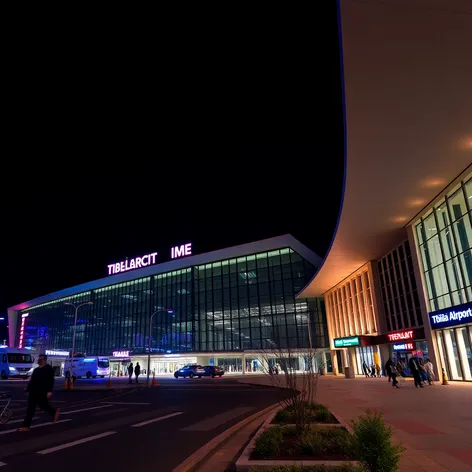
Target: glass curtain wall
444	236
231	305
249	303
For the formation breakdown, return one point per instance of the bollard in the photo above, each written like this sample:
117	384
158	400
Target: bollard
444	377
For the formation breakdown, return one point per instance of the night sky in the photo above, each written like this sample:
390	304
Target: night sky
218	148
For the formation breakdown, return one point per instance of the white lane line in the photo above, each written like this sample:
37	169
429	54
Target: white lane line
75	443
2	464
84	409
144	423
21	420
126	403
8	431
52	401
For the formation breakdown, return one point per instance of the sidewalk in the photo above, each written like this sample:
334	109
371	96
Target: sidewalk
433	423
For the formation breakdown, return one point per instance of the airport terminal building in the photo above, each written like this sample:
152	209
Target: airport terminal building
221	308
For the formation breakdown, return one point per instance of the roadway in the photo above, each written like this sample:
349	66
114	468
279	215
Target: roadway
130	429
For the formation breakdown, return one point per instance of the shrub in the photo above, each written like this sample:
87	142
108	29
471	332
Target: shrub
372	444
283	416
268	443
317	441
322	413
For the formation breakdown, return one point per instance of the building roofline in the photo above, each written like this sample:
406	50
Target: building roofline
278	242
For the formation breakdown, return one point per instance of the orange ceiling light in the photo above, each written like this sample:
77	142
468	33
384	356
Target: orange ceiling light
416	202
432	182
465	143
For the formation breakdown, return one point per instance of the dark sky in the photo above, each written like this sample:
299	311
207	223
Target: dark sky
215	146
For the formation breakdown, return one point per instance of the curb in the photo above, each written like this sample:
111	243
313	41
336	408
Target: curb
104	389
198	456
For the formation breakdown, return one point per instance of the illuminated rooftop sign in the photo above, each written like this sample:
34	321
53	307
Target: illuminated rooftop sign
136	263
180	251
401	335
347	342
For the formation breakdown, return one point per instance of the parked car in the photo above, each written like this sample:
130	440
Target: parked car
212	371
189	370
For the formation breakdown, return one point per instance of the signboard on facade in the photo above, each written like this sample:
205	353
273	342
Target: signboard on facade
120	354
401	335
453	316
347	342
52	353
404	347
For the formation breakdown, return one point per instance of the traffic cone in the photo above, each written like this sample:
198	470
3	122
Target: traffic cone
154	381
65	383
444	377
109	381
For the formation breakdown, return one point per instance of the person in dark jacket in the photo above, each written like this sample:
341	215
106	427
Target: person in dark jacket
388	368
415	369
137	371
130	372
39	391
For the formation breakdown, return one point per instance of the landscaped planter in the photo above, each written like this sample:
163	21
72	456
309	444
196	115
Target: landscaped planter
323	433
319	415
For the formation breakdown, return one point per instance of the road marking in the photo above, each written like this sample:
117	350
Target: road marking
75	443
21	419
2	464
84	409
34	426
211	423
144	423
126	403
53	401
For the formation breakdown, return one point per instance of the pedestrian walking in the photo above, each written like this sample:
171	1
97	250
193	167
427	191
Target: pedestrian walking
137	371
389	368
415	369
39	392
429	371
130	372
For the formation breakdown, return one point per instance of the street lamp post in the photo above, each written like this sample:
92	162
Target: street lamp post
76	308
171	312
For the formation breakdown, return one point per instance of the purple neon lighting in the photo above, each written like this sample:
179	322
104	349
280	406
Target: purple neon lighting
181	251
136	263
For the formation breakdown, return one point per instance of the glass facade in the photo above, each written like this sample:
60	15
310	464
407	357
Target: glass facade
399	290
241	304
444	236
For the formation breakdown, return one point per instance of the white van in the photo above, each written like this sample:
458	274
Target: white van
16	363
87	367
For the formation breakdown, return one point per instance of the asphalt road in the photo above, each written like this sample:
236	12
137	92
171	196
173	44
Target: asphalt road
139	429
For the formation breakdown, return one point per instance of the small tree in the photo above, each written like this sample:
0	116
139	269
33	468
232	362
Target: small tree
302	384
372	444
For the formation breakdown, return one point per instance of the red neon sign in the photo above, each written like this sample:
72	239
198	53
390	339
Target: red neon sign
401	335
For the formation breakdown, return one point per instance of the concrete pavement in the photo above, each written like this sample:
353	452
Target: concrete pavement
139	430
434	423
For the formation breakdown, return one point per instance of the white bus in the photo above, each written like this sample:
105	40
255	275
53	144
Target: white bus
15	363
96	366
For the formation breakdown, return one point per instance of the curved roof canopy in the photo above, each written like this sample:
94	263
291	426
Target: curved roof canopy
408	110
